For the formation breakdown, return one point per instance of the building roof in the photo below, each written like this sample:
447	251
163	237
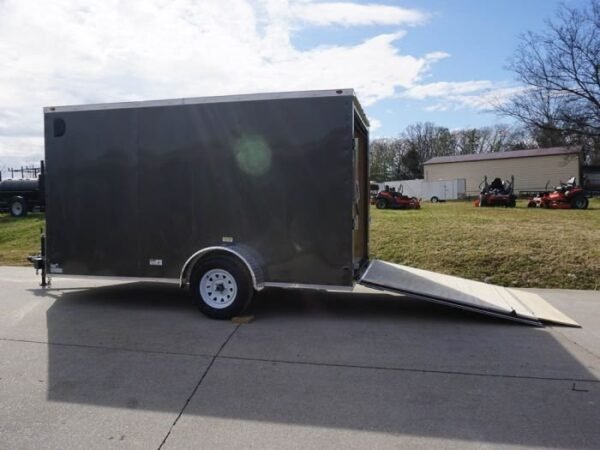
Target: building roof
506	155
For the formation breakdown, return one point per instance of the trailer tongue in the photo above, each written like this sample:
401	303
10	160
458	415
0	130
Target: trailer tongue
512	304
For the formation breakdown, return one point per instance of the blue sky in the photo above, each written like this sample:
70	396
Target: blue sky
480	37
409	61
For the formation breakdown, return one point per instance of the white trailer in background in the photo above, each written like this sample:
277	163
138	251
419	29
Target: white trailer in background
443	190
434	191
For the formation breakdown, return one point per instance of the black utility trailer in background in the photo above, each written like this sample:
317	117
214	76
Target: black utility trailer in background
20	196
227	195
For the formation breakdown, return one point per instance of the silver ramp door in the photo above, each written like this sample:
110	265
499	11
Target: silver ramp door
512	304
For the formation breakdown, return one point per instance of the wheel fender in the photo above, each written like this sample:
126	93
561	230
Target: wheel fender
17	198
247	256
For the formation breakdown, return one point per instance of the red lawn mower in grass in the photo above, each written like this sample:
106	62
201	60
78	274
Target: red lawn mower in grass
498	193
390	198
566	196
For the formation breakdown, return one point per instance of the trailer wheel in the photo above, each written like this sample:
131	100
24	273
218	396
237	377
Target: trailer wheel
579	202
434	199
221	286
381	204
17	207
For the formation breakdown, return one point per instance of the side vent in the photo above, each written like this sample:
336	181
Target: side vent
60	127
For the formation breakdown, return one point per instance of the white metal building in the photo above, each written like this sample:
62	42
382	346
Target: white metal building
532	169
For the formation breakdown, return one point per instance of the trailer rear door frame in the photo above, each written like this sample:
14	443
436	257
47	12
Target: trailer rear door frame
360	213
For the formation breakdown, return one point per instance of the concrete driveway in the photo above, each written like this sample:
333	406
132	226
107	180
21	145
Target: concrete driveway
88	364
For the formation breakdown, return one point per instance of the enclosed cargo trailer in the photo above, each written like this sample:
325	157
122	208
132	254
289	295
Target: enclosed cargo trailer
227	195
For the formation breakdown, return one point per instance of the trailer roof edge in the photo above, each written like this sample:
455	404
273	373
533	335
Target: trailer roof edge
212	99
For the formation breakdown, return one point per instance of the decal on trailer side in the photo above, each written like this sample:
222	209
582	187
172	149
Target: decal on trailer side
55	268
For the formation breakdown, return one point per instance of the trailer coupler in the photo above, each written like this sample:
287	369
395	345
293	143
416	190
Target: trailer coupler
39	264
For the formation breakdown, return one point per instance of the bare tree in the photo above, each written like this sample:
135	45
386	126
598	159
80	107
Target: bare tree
560	69
495	138
468	141
382	159
501	137
423	141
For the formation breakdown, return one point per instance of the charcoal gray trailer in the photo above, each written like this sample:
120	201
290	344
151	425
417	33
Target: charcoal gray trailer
229	195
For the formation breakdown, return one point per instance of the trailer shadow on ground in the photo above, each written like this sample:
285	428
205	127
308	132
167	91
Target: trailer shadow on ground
375	363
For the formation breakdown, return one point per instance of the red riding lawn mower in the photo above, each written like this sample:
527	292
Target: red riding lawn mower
499	193
566	196
389	198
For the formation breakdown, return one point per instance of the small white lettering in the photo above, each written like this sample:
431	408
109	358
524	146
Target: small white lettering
55	268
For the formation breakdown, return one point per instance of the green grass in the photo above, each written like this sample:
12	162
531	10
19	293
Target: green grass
19	238
518	247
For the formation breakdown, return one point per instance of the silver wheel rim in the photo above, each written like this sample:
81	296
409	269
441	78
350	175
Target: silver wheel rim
17	209
218	288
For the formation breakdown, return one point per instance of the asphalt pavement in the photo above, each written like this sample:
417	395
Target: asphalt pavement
103	364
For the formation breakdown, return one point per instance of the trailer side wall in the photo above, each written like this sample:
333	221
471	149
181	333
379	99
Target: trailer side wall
136	191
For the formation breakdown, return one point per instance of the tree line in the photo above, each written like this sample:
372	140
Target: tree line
559	105
402	158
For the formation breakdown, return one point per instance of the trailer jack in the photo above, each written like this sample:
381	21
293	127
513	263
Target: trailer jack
39	261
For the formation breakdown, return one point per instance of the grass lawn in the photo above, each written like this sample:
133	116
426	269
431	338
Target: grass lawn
19	238
512	247
518	247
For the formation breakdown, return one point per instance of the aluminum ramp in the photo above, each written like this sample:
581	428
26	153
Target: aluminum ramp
498	301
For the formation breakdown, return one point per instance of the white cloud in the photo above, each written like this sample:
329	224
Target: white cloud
437	107
497	95
375	124
19	151
477	94
72	52
445	89
349	14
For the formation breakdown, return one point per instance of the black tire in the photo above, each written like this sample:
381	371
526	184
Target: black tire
434	199
17	207
213	279
579	202
511	203
381	204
